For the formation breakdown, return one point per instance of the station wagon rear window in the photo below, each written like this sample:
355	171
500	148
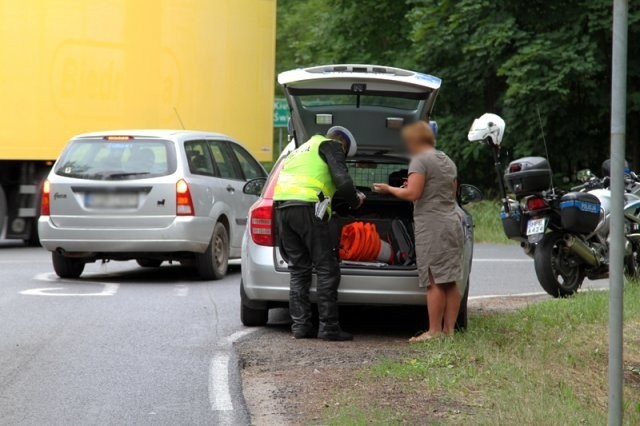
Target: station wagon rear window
333	100
99	159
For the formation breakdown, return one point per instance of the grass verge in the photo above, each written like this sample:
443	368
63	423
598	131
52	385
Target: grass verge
486	217
545	364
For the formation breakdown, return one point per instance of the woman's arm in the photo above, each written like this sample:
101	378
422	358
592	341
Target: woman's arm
412	191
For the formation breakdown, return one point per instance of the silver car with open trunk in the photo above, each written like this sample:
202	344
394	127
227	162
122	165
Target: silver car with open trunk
373	102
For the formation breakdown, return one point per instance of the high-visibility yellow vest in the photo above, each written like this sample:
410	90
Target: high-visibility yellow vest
305	174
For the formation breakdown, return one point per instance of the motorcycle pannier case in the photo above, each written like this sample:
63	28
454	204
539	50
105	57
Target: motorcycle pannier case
528	175
580	212
513	222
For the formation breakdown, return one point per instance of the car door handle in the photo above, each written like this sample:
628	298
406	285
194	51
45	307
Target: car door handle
231	189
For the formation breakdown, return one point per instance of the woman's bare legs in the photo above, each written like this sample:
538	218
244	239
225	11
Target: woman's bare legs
451	308
436	305
443	304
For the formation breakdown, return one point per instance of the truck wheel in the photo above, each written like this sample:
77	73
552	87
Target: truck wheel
67	267
149	263
558	273
249	316
214	262
34	237
463	320
3	210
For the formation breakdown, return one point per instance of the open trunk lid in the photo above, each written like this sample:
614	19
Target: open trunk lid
373	102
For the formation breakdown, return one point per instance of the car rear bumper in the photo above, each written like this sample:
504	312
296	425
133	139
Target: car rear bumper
263	283
184	234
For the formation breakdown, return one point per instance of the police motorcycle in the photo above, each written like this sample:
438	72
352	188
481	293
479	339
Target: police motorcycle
566	233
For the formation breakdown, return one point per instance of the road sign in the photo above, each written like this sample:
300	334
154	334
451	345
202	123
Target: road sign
280	112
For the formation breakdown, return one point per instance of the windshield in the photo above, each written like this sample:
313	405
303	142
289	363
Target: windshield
327	100
100	159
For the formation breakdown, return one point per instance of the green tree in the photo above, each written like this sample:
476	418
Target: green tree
513	58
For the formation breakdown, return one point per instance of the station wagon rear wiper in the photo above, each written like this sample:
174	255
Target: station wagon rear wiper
123	175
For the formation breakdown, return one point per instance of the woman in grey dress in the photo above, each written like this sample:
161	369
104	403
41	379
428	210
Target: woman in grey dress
438	232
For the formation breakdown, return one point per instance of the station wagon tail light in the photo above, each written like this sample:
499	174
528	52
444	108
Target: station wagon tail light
45	200
184	203
535	204
262	223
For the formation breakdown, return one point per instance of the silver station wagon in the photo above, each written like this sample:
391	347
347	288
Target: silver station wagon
373	102
148	195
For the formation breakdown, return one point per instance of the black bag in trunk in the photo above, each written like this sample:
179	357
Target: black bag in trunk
406	251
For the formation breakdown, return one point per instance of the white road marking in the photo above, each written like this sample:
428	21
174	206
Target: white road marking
535	293
180	290
108	290
219	395
493	296
219	389
503	260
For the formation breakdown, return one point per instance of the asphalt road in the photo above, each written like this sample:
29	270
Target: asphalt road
144	346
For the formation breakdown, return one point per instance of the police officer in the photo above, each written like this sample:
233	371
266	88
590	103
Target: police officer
310	177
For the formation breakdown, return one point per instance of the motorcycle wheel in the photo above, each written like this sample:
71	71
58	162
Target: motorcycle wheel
632	265
558	273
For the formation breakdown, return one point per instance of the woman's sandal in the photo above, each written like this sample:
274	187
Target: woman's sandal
424	337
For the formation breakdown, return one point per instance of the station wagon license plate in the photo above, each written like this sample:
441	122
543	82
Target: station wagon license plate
105	200
536	226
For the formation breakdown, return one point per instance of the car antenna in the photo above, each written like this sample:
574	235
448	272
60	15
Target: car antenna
179	119
546	150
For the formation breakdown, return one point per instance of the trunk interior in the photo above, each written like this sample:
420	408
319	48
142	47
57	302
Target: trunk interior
381	211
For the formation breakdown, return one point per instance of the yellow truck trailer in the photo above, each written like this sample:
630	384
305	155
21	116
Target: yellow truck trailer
73	66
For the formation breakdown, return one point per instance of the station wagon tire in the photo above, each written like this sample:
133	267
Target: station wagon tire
149	263
251	316
556	276
463	320
67	267
214	262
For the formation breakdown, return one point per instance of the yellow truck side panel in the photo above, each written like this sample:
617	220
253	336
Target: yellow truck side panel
73	66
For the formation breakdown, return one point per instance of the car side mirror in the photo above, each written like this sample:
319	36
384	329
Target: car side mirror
254	186
469	194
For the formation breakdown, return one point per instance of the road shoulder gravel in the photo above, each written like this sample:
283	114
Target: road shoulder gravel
291	382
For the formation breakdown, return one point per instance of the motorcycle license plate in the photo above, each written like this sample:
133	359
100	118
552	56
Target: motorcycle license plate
536	226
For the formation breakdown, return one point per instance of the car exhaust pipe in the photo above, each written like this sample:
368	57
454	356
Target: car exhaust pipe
580	249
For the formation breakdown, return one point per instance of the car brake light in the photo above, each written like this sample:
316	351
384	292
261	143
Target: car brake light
118	138
262	223
536	203
515	168
45	200
184	203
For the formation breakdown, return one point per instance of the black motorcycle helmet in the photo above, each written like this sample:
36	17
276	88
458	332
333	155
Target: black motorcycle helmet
606	167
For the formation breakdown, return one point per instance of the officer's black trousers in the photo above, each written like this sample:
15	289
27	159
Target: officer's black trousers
306	242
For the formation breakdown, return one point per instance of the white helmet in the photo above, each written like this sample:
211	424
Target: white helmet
489	128
348	136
